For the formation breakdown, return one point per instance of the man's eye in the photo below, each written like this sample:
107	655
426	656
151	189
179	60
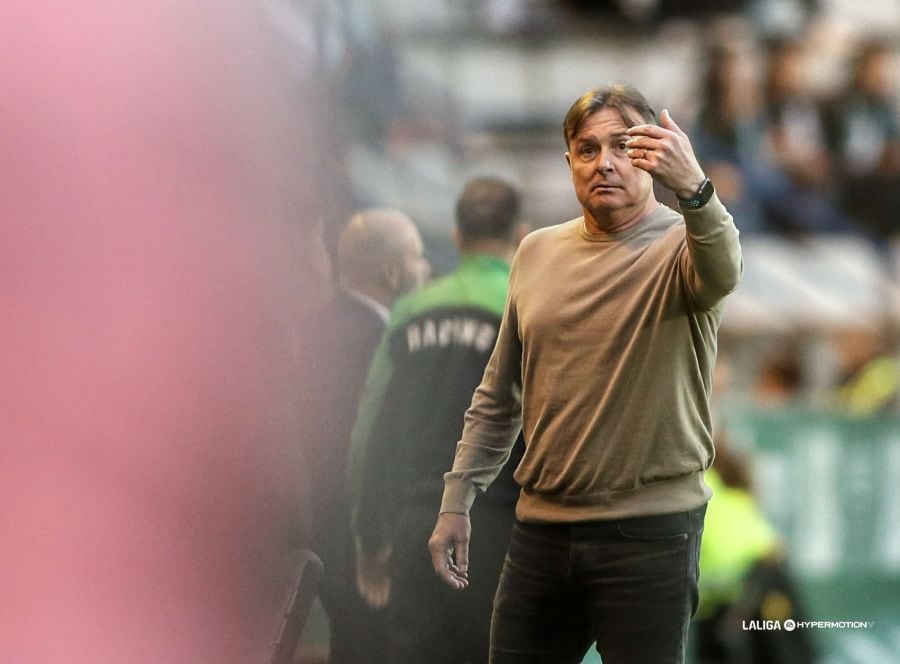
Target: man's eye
622	146
588	151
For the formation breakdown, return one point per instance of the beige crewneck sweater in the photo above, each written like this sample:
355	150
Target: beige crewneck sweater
604	358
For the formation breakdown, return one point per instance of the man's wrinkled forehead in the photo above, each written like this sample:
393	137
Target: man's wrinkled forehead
628	115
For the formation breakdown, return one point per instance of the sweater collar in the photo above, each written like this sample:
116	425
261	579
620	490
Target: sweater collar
628	233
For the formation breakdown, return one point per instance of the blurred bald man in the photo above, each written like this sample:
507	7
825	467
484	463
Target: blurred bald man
379	258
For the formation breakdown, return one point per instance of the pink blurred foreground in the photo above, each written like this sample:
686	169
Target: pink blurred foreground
152	285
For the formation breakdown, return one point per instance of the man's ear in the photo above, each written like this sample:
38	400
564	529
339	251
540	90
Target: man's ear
390	273
457	240
569	164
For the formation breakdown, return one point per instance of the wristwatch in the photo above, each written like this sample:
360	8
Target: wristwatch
699	199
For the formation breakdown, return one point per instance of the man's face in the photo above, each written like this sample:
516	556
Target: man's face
413	267
608	187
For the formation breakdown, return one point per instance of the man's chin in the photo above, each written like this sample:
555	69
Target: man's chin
606	197
602	204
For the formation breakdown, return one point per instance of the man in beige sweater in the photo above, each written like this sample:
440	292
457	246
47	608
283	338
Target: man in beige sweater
604	359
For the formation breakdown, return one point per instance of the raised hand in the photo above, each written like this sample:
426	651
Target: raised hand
666	153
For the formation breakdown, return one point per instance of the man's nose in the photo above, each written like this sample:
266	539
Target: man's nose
605	164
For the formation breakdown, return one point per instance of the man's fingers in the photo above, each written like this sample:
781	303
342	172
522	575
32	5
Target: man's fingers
637	154
457	571
461	556
665	120
666	127
652	131
643	142
450	574
448	570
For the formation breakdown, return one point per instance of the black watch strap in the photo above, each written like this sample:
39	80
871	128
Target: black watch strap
701	198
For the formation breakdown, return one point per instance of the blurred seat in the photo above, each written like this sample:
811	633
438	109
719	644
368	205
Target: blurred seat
302	590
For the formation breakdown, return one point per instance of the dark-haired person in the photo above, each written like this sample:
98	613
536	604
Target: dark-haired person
865	139
604	359
431	359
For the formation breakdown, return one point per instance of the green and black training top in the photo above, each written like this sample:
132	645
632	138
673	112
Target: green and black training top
431	359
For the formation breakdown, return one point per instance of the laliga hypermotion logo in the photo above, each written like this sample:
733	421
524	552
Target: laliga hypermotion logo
790	624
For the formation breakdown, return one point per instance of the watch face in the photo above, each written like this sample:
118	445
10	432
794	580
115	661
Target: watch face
699	199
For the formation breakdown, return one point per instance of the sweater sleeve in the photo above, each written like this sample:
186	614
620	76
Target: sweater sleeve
711	263
493	420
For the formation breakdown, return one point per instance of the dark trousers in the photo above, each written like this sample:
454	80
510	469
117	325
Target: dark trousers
629	584
429	622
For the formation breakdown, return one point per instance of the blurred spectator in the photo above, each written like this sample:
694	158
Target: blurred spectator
656	10
379	258
794	122
730	101
865	139
795	143
371	93
729	135
743	575
779	381
696	9
382	109
870	373
874	388
781	17
739	137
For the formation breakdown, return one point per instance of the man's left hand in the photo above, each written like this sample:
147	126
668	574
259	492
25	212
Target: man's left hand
665	152
373	576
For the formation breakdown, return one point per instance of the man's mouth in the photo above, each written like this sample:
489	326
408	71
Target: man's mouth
604	187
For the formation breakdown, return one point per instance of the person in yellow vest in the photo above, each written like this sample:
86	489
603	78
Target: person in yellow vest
744	583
